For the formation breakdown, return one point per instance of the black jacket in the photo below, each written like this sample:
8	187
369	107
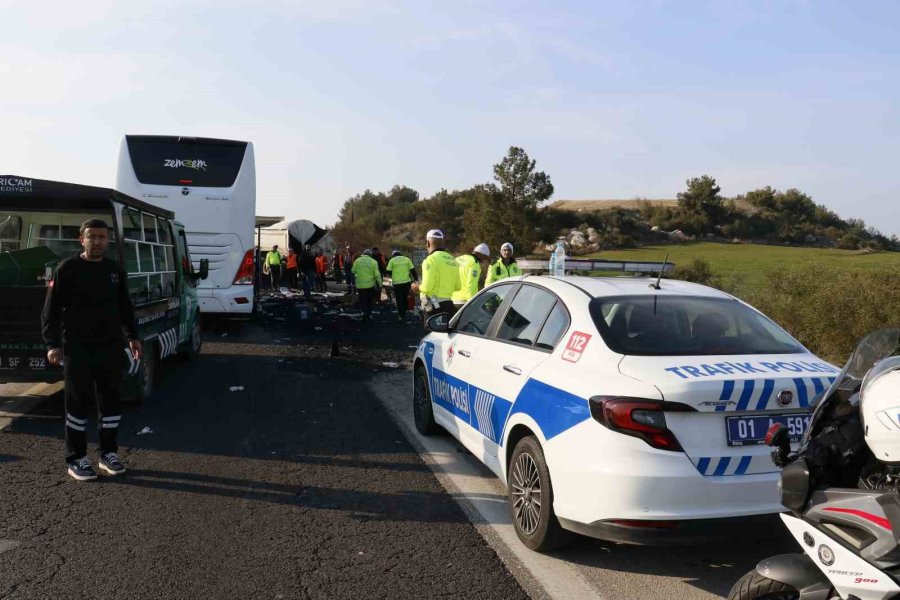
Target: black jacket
87	306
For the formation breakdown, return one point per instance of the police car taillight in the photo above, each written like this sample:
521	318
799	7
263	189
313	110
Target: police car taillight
644	419
244	274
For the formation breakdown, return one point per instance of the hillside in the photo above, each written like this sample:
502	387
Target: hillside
592	205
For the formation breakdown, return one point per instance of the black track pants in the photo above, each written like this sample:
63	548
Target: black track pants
84	369
401	296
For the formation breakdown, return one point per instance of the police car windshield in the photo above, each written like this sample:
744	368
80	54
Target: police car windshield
686	326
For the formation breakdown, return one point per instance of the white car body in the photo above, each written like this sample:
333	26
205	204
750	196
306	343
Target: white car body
489	393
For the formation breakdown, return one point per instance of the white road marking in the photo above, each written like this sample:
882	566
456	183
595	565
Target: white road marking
483	498
17	402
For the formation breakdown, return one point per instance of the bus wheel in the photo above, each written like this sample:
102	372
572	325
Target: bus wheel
148	372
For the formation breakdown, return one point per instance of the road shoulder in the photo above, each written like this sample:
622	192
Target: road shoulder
482	497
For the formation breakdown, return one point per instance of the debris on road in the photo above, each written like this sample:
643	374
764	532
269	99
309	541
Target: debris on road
145	431
236	388
390	365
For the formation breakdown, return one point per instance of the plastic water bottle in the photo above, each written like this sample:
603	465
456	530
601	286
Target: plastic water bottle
558	260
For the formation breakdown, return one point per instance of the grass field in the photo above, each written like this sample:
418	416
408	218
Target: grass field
749	263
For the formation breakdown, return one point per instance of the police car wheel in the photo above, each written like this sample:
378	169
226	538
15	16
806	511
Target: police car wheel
422	410
531	498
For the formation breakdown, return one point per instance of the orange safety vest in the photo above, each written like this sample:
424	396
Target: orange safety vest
292	261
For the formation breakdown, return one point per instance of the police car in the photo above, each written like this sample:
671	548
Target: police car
614	409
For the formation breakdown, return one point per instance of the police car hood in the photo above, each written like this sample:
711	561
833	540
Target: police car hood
734	383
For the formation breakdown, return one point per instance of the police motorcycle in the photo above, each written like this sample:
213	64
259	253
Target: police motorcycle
842	487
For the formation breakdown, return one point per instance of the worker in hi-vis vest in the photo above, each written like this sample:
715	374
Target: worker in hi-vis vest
272	266
440	277
471	266
505	266
368	282
403	273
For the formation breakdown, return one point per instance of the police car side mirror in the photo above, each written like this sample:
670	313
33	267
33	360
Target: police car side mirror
203	273
439	323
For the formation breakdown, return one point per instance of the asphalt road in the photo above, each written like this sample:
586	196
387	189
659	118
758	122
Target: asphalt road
297	486
303	484
590	568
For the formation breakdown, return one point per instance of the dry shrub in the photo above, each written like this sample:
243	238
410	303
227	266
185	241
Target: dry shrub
829	311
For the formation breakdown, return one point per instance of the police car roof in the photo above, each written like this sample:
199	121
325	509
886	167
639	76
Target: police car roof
599	287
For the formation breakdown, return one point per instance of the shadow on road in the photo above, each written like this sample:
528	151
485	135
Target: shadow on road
364	505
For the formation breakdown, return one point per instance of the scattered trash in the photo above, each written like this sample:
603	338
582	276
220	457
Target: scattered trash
224	335
281	360
391	365
145	431
318	329
414	347
236	388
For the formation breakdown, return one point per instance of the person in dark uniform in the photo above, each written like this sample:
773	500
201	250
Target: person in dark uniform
87	316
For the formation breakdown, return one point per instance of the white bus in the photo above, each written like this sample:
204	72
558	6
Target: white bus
210	185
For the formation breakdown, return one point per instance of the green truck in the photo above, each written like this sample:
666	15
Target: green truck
39	227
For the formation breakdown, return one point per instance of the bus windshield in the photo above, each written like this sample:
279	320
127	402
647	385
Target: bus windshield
33	243
169	162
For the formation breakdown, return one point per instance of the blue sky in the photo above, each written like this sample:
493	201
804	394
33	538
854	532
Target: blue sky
613	99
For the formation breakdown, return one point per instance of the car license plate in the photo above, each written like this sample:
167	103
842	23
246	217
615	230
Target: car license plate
8	362
751	429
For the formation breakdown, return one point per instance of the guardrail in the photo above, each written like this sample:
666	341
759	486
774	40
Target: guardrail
595	264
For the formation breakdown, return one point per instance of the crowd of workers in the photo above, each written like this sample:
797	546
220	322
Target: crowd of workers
446	282
307	270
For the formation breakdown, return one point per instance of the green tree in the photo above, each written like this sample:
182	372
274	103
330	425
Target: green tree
444	211
521	185
701	206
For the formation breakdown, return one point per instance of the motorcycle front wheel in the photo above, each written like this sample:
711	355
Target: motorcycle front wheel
754	586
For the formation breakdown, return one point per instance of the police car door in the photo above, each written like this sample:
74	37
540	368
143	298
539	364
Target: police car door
462	352
510	354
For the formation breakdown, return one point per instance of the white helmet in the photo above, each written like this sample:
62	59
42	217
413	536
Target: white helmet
879	406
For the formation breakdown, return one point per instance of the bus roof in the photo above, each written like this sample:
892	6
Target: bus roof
25	193
185	139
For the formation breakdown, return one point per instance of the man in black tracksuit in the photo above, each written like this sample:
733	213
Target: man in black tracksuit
86	316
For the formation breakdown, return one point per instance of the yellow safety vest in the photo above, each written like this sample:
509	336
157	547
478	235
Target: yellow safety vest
399	268
440	275
500	271
469	274
365	268
273	258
